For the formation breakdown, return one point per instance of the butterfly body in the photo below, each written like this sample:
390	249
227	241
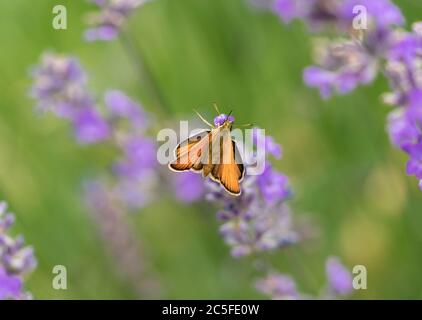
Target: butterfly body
214	154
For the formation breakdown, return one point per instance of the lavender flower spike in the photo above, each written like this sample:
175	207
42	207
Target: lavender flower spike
317	14
373	45
259	219
60	86
188	187
404	71
107	23
346	63
16	261
119	238
339	278
10	286
278	287
343	66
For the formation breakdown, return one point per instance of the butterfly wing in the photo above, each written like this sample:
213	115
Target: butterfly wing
212	152
229	172
188	153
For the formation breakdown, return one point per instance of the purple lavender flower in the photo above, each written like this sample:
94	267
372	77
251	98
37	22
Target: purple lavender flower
316	13
273	185
414	165
188	186
16	261
119	238
139	155
270	145
135	193
221	118
90	127
283	287
322	14
404	71
343	66
107	23
258	219
339	277
278	287
403	132
288	10
119	105
137	174
60	86
10	286
255	230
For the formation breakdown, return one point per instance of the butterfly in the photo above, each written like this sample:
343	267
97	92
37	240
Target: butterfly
213	153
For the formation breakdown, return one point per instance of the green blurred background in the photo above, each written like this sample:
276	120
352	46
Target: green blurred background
346	176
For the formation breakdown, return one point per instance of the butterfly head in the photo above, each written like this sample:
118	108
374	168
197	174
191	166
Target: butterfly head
223	119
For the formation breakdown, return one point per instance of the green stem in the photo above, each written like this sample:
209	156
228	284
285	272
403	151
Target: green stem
302	267
144	73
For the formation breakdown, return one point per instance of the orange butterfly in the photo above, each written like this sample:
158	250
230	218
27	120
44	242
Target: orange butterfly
214	153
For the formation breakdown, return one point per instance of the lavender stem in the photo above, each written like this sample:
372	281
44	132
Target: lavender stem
144	72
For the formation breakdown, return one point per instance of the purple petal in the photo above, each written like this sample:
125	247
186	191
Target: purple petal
286	9
188	186
10	286
319	78
339	277
102	33
273	185
140	155
402	130
90	127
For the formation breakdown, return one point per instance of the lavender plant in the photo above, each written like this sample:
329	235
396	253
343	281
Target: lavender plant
358	55
283	287
107	23
260	220
16	259
60	86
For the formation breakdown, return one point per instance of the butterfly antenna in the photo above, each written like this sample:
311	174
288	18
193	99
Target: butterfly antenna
247	125
203	119
229	113
216	108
